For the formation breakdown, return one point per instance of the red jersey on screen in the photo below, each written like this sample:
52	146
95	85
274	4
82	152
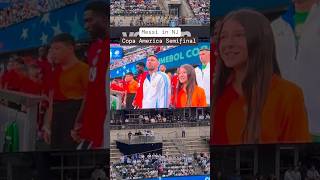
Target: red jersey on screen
116	87
94	112
174	83
13	80
46	69
139	95
31	87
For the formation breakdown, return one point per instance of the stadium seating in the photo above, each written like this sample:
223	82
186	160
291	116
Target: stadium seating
140	166
23	10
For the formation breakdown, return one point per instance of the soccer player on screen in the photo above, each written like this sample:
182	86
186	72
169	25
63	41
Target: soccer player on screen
156	86
69	87
89	127
142	74
130	90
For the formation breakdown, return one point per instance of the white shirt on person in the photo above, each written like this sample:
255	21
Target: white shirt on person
156	91
203	80
288	175
313	174
299	59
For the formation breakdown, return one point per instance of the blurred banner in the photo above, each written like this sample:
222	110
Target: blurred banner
226	6
40	30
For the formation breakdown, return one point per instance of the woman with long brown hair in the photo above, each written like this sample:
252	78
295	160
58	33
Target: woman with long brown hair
188	93
252	103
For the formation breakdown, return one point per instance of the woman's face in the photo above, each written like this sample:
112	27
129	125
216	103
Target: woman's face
233	45
183	76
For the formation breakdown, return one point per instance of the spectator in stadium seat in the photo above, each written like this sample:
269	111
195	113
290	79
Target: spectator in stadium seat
188	93
183	132
129	136
89	127
142	74
268	108
203	72
131	90
312	173
70	82
156	86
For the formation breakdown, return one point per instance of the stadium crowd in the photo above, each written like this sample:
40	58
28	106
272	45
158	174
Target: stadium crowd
148	13
134	7
201	10
23	10
155	20
145	119
139	166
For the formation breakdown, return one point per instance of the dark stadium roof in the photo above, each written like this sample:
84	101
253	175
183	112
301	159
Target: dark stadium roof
222	7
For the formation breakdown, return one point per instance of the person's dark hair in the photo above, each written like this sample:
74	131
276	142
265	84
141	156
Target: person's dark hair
204	49
64	38
216	30
130	74
18	60
141	64
261	65
98	7
152	54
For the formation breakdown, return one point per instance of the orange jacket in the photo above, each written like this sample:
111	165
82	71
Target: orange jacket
284	118
198	98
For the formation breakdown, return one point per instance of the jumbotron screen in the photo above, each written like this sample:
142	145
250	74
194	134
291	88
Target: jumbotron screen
160	76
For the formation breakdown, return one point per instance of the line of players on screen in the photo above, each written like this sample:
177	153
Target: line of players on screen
154	88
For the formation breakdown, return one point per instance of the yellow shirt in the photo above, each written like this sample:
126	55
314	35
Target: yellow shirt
74	81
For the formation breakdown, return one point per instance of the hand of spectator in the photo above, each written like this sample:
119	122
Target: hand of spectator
75	135
75	132
46	135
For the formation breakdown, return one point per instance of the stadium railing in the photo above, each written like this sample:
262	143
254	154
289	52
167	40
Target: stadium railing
160	125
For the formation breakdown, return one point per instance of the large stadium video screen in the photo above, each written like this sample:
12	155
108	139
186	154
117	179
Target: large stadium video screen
274	98
160	76
50	62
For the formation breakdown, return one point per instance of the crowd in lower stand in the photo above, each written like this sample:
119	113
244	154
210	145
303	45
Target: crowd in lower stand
138	166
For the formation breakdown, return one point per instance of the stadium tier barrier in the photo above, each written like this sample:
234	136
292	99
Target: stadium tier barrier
160	125
26	122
